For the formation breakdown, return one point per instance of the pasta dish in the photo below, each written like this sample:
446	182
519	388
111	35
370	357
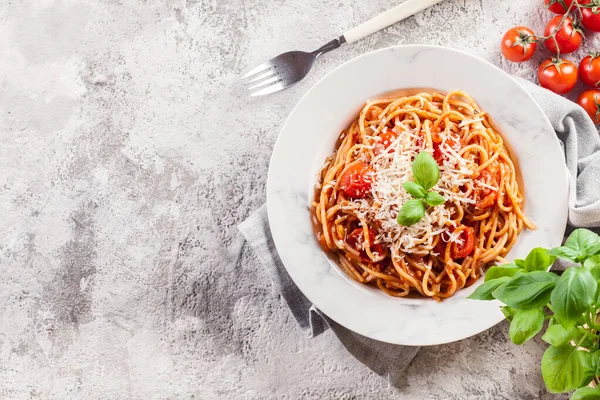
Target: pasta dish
420	196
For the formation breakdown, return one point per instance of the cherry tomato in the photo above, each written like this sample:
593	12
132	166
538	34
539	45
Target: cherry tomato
558	75
437	152
589	69
590	16
467	235
568	36
485	196
590	101
387	138
558	6
518	44
357	179
356	240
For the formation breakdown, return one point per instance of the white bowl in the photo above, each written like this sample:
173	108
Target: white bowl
308	137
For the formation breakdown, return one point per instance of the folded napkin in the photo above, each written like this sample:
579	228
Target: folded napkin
581	144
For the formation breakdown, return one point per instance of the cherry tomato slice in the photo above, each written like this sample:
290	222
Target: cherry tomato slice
356	181
467	235
387	138
485	196
437	152
356	240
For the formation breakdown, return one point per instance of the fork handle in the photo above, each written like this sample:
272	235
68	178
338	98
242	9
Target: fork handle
387	18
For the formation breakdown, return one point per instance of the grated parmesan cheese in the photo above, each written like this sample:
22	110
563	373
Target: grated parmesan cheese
392	168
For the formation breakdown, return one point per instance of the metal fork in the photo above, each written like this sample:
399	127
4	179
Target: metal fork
288	68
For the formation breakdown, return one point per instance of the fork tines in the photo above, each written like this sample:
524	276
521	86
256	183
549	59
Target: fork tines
263	79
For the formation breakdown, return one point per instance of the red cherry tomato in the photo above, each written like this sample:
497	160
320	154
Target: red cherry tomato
590	101
568	36
558	75
558	6
437	152
590	16
356	240
485	196
589	70
518	44
387	138
467	235
357	179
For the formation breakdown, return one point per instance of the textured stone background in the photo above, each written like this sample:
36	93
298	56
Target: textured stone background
129	152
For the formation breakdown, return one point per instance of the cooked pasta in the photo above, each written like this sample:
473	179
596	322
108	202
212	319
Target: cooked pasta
360	192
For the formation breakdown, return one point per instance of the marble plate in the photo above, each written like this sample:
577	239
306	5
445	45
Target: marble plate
308	137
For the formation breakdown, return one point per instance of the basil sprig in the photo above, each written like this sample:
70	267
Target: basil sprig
426	173
571	303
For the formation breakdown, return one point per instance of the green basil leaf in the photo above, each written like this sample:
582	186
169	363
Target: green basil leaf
538	259
594	250
592	262
593	361
527	291
434	199
498	271
519	262
573	294
584	242
596	273
508	312
414	189
564	252
590	363
484	292
525	325
586	393
563	368
411	212
557	335
425	170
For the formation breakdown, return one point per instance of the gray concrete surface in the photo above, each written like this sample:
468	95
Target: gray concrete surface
129	152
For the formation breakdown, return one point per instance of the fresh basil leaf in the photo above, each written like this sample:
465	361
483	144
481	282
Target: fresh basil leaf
434	199
414	189
573	294
498	271
538	259
411	212
596	273
527	291
564	252
586	393
525	325
588	341
484	292
592	262
594	250
563	368
557	335
593	360
508	312
519	262
584	242
425	170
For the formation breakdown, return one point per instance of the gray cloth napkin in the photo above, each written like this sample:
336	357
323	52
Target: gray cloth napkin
581	144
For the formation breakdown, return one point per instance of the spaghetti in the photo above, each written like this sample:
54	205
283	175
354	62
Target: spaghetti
359	194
